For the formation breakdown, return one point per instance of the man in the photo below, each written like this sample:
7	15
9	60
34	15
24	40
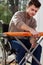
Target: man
24	21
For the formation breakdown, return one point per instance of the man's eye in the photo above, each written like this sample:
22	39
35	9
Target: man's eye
32	9
35	11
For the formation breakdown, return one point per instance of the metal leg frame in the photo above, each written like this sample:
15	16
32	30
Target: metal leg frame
28	51
32	53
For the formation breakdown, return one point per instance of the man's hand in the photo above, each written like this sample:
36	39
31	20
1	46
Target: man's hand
33	42
34	32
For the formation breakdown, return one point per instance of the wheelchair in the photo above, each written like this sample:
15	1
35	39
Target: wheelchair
5	48
7	51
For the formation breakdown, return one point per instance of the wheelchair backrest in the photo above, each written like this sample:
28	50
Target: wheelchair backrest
5	27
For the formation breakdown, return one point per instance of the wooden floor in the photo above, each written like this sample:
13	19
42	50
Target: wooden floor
15	64
12	64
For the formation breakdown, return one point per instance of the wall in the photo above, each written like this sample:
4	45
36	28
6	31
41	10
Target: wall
39	18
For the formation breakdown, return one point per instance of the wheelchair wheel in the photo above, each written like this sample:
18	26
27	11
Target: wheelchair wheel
3	55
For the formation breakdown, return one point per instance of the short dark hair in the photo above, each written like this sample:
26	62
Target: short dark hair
34	2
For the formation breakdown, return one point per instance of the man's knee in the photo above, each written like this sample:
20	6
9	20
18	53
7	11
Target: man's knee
39	48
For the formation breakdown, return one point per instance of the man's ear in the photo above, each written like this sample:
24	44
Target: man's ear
27	7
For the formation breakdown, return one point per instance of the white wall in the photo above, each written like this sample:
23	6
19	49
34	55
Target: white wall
39	18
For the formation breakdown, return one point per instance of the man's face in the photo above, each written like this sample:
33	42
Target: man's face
31	10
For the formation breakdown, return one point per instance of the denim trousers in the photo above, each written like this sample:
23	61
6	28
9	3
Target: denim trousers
21	51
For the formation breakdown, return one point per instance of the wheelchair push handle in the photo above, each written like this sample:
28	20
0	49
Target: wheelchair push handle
22	34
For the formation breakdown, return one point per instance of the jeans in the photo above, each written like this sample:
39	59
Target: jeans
21	51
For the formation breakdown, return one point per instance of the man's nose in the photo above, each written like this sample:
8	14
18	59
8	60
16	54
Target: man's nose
34	13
